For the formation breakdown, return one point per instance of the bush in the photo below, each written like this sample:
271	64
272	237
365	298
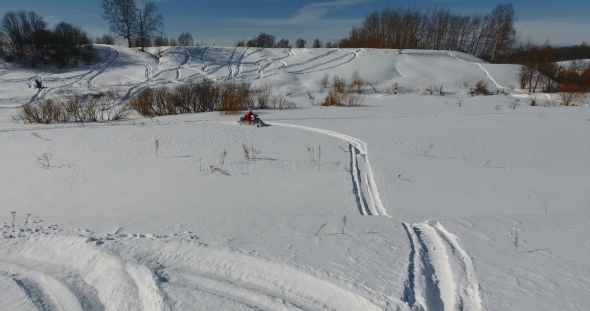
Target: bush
74	109
481	88
434	90
325	80
356	84
335	98
571	94
263	96
234	98
338	84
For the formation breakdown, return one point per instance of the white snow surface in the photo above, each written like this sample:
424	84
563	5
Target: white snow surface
420	202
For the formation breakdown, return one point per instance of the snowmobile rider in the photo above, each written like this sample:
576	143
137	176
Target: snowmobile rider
250	116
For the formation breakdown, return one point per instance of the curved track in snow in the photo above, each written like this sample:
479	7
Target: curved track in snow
125	272
364	185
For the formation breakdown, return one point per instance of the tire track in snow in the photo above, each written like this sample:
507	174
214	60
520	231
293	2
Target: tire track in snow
48	292
106	65
481	67
120	273
441	276
252	296
315	67
365	186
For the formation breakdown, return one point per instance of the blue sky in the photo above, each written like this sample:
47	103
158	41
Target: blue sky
223	22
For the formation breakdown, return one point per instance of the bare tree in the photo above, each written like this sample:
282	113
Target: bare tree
300	43
502	31
107	39
121	15
26	31
185	39
173	42
317	43
148	21
263	40
283	43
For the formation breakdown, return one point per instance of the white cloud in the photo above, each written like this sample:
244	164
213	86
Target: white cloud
306	14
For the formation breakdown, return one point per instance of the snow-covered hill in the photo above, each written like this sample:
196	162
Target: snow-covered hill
418	202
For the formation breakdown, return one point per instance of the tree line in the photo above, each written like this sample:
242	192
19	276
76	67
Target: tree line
488	36
24	36
264	40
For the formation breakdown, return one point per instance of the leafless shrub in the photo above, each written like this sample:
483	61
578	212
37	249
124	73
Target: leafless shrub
434	90
338	84
459	103
278	102
250	152
234	98
514	104
571	94
13	226
393	89
156	146
481	88
312	100
325	80
498	107
550	103
263	96
44	160
335	98
545	203
26	220
532	101
344	220
222	157
356	84
313	159
246	152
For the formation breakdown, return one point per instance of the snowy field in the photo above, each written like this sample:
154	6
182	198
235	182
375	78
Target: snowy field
408	202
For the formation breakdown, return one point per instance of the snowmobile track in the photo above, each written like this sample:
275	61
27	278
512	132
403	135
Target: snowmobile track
366	188
441	276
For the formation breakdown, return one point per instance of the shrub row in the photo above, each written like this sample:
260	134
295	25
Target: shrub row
206	96
101	107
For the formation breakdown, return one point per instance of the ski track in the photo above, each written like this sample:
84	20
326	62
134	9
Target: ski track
441	275
365	187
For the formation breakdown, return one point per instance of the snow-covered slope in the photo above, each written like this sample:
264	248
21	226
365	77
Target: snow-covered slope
418	202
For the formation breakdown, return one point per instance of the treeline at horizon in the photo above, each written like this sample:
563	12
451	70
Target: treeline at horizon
24	36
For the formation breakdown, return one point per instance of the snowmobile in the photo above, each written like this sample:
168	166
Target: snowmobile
255	121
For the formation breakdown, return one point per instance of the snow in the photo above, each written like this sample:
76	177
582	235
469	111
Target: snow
450	203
